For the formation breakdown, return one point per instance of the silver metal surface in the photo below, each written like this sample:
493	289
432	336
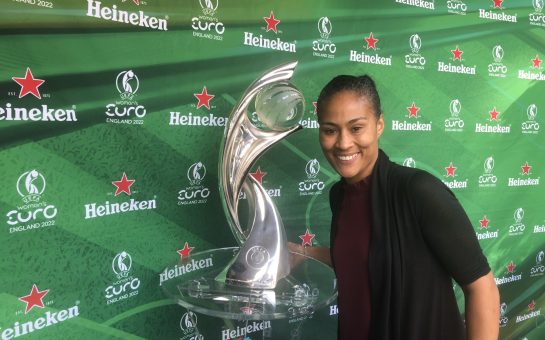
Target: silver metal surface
263	258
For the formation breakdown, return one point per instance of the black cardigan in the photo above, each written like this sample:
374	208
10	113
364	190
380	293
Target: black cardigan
421	238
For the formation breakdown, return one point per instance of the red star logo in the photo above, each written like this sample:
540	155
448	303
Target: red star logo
497	3
526	169
258	175
271	22
371	41
123	185
413	110
307	238
511	267
29	84
450	170
35	298
484	222
457	54
248	310
536	63
204	98
315	104
531	306
137	2
185	251
494	114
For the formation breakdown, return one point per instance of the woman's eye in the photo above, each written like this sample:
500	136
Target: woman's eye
357	128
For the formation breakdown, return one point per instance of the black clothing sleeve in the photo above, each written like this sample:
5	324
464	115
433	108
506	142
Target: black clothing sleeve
446	228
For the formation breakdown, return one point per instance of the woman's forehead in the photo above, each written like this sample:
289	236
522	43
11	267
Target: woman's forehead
346	107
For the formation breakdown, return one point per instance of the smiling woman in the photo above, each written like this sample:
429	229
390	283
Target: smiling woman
394	263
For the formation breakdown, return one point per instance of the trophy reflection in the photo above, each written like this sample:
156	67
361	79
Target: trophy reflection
263	258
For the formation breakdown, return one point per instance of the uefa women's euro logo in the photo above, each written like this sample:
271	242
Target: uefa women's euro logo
196	192
311	185
312	168
196	173
454	123
127	110
497	53
497	68
31	185
415	60
488	179
539	268
537	18
188	325
518	227
538	5
324	27
324	47
209	7
455	108
415	43
36	212
121	264
127	84
530	126
126	285
208	25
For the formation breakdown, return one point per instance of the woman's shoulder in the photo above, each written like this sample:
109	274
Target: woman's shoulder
415	180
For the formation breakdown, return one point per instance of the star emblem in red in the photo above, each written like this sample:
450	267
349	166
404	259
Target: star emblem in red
484	222
497	3
511	267
531	306
204	98
536	62
413	111
494	114
185	251
35	298
137	2
29	84
457	54
248	310
450	170
315	104
307	238
258	175
526	169
123	185
371	41
271	22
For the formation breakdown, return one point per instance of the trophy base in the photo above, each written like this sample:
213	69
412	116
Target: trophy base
196	283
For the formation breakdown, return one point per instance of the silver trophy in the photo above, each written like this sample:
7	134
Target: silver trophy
263	258
253	281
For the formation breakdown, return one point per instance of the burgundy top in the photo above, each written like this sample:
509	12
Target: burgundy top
351	260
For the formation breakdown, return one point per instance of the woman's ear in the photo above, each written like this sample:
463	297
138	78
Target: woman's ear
380	125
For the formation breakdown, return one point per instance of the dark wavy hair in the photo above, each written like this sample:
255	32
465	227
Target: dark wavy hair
363	86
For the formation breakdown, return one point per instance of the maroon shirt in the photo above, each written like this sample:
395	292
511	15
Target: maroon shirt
351	260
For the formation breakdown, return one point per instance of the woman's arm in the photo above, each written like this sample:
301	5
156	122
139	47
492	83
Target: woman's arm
482	311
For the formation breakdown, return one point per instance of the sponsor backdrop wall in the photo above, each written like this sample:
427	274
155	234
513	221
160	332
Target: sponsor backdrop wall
112	113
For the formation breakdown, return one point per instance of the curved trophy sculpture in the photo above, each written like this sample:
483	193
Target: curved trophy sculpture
263	258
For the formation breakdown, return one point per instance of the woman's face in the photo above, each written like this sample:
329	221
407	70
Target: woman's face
349	134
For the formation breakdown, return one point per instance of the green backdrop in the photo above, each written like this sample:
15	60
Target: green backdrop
91	91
